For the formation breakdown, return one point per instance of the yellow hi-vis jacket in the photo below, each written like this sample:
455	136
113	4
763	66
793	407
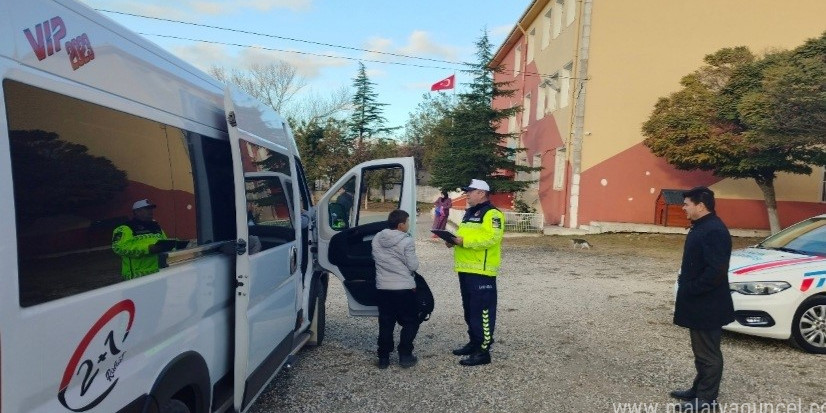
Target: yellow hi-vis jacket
481	230
131	241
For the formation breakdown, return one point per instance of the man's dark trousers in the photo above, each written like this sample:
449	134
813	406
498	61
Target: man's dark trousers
479	305
708	359
397	306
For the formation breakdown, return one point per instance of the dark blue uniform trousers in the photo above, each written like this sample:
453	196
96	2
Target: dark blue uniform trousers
479	304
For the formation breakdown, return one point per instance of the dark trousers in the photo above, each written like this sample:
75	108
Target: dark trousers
397	306
708	359
479	305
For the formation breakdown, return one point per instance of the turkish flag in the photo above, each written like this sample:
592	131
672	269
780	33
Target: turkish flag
444	84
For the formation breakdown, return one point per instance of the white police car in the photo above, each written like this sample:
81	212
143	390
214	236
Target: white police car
779	286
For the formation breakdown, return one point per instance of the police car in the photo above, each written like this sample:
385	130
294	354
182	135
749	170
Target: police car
779	286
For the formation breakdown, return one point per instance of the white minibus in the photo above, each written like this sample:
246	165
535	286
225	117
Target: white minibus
161	249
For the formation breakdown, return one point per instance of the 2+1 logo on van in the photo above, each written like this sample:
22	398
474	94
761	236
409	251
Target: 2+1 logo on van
92	371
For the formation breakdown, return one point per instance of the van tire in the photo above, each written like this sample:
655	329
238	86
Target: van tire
318	322
174	406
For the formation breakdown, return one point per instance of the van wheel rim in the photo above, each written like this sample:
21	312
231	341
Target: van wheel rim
812	326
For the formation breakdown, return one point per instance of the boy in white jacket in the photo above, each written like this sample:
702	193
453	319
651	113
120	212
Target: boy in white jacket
395	255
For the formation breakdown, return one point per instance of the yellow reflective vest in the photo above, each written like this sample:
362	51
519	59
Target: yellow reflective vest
481	230
131	241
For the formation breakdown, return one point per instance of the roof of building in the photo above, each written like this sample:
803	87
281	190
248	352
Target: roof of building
531	13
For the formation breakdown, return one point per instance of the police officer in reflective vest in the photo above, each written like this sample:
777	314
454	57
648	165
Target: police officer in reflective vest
135	242
477	251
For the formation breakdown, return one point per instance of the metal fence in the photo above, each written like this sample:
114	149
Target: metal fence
523	222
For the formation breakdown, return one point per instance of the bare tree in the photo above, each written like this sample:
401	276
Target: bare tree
278	85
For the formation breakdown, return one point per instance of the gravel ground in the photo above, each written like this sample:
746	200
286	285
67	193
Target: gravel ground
576	331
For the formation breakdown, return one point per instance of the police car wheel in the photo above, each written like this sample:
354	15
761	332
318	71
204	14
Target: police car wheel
809	325
174	406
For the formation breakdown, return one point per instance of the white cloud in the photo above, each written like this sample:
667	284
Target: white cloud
204	55
501	30
420	44
265	5
153	9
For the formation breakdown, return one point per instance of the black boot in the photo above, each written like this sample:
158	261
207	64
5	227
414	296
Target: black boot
384	362
407	360
476	359
465	350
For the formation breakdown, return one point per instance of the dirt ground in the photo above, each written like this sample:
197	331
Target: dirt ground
577	330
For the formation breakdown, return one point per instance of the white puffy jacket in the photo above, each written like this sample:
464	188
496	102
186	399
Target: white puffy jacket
395	255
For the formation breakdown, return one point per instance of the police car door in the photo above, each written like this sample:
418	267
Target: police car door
351	213
266	250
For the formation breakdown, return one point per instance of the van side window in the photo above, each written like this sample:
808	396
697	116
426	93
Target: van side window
93	185
268	182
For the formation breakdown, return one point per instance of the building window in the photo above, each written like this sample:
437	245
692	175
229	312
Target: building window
547	27
556	13
540	101
512	124
570	12
559	168
517	60
531	44
526	110
565	85
551	93
823	192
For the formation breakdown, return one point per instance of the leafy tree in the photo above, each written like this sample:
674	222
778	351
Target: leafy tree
725	120
366	120
472	146
326	150
427	127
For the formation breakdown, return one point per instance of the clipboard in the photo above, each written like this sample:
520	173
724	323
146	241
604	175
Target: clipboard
444	234
167	245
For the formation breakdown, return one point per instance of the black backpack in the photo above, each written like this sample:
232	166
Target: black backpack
424	298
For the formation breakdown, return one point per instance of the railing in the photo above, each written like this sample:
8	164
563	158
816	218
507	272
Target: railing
523	222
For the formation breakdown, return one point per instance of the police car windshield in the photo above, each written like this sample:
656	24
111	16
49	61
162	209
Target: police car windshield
807	238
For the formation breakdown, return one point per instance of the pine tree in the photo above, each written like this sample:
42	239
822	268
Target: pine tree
473	147
366	121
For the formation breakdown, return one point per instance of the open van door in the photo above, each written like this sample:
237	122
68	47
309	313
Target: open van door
268	224
351	213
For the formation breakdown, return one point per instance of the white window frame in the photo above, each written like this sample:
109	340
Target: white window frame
559	168
565	85
547	27
823	192
540	101
531	45
552	96
556	13
570	11
526	110
517	60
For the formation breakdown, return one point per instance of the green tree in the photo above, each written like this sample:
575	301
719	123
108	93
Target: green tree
722	121
426	128
326	150
472	146
366	120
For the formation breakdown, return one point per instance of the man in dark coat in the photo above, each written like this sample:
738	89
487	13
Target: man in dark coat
704	303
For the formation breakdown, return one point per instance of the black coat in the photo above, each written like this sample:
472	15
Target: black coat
703	298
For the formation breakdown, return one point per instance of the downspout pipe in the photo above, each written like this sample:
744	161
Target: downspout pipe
579	114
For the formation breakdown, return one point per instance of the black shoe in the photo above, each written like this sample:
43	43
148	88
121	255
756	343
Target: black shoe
384	362
687	394
697	405
407	360
476	359
465	350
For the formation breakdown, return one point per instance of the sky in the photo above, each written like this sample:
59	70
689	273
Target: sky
443	30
